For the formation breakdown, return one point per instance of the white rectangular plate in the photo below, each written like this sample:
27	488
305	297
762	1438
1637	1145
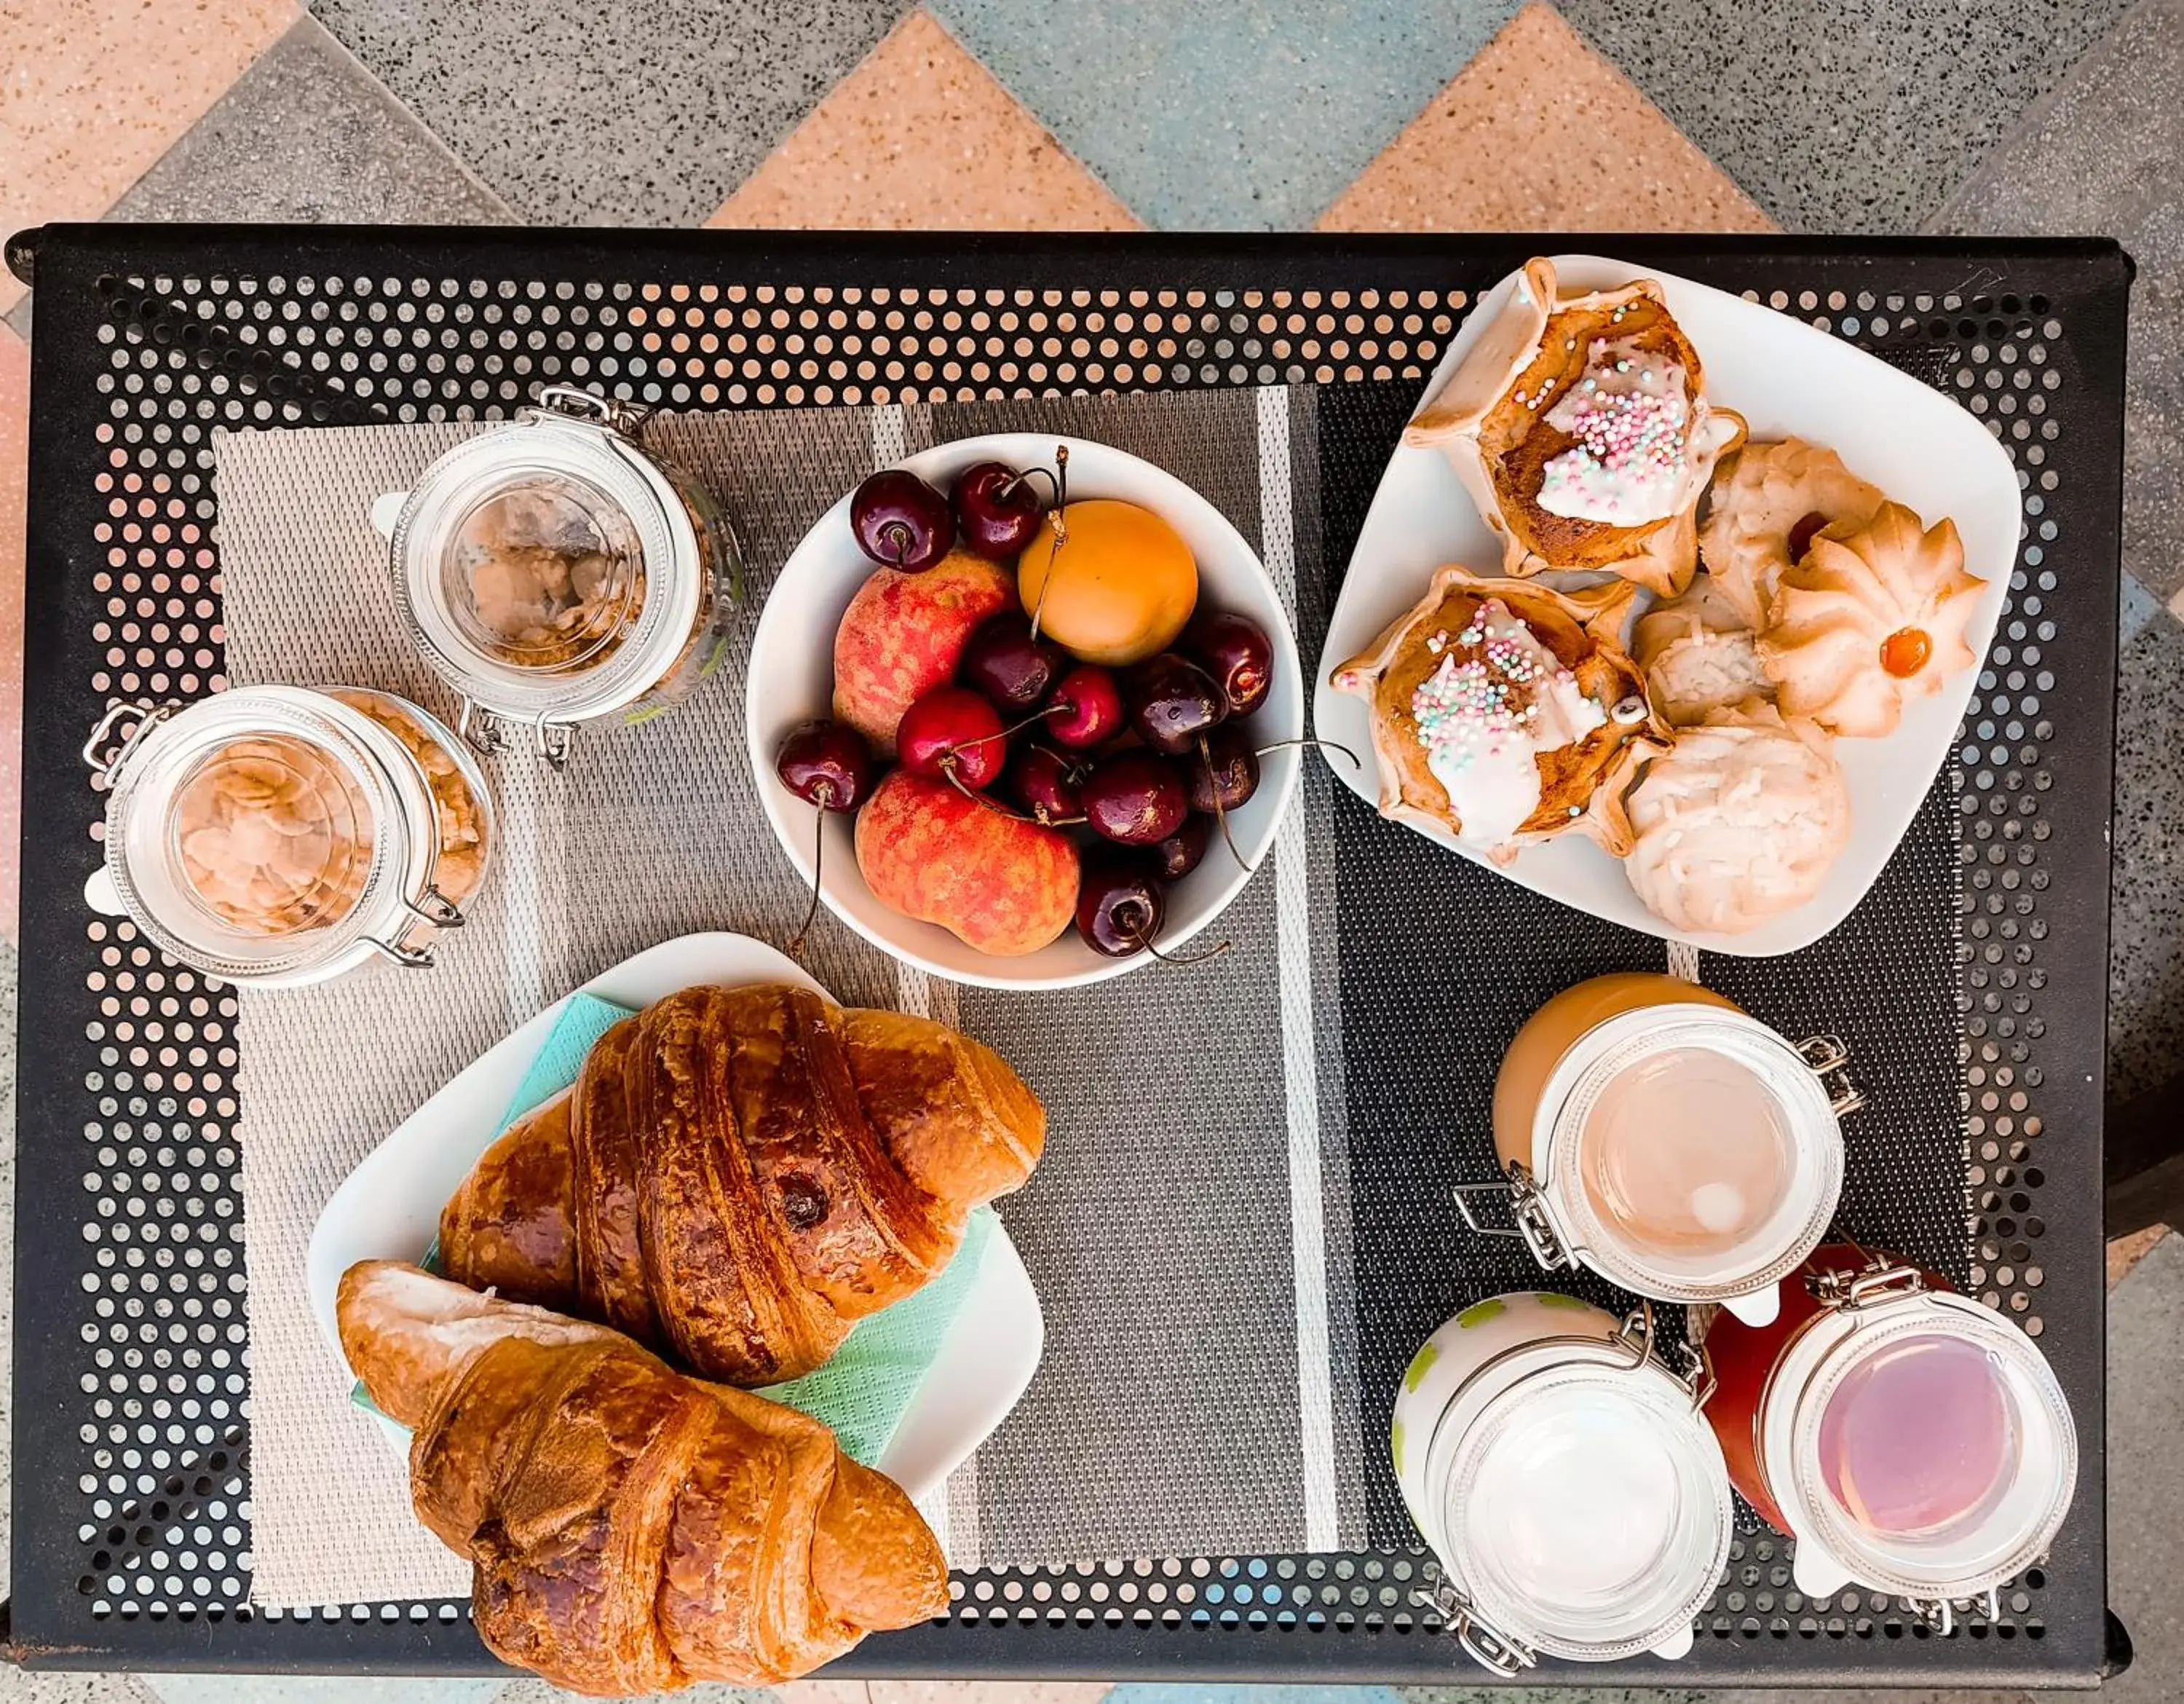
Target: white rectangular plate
388	1208
1787	378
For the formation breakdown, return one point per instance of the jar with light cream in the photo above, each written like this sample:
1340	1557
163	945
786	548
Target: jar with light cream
282	835
557	574
1556	1463
1649	1129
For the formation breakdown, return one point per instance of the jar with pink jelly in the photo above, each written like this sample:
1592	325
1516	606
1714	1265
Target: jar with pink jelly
1910	1441
1651	1131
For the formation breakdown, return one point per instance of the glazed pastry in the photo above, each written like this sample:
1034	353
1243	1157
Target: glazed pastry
1869	619
740	1175
1497	707
1738	821
1766	511
630	1530
1580	428
1699	655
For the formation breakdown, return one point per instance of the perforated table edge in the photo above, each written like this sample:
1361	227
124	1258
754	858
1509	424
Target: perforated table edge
114	324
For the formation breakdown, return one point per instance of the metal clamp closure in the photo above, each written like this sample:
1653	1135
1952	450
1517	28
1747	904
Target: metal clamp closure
1695	1374
409	958
1484	1643
149	716
1829	1060
1939	1613
576	403
1528	1213
1879	1280
488	731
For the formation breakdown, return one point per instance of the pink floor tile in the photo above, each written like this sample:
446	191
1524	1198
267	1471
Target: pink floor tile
91	92
1539	133
921	136
14	443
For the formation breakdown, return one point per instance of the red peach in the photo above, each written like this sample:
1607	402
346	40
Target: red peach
902	635
1005	886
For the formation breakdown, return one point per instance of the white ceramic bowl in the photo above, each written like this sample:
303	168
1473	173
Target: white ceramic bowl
792	681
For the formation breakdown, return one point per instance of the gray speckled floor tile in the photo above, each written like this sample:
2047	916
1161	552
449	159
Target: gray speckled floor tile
1856	115
2146	959
2102	156
2136	607
20	1686
619	113
317	1689
2146	1494
306	134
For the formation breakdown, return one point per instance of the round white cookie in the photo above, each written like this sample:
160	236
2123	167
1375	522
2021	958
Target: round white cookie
1738	821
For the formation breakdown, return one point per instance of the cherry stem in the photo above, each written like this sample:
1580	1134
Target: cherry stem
1220	809
1004	733
1059	529
1137	937
955	781
1324	744
825	794
1009	490
896	533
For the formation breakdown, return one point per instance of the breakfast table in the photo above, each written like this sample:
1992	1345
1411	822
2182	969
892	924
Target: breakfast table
1346	1068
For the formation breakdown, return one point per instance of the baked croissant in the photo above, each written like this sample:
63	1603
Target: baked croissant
740	1174
630	1530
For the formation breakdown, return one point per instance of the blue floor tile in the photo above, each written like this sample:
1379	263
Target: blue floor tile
1203	115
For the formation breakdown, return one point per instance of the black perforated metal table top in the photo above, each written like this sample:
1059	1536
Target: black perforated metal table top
132	1498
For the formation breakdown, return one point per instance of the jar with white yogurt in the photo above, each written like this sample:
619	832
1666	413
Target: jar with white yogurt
1560	1470
1649	1129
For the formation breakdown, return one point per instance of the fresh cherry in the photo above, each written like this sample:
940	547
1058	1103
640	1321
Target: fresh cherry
997	509
826	765
1120	906
1802	535
1235	651
901	522
1182	852
1173	701
952	734
1224	772
1048	786
1135	798
1002	661
1085	709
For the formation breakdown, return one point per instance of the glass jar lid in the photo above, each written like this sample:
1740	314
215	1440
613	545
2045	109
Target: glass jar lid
1690	1154
267	834
1930	1451
548	568
1586	1505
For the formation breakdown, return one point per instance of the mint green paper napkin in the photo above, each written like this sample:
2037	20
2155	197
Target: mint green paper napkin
865	1390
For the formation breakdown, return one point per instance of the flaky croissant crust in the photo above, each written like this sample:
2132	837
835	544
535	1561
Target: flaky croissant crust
740	1174
631	1530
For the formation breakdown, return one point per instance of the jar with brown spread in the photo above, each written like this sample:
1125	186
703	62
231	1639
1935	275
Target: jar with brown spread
557	574
282	835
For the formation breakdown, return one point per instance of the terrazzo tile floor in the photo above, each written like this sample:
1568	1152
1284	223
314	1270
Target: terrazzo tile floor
1855	115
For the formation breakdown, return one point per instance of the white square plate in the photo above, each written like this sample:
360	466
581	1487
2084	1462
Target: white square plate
388	1208
1787	378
